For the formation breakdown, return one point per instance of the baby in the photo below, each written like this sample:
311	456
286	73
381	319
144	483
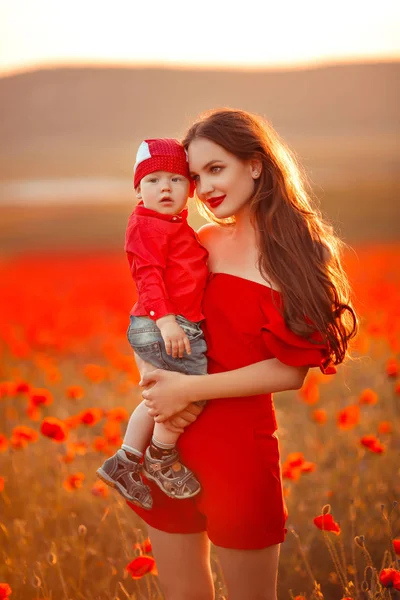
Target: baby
169	267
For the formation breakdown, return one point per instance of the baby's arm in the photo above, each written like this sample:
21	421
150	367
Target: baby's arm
175	339
147	254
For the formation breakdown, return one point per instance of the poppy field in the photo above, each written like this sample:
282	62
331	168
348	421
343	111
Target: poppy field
68	383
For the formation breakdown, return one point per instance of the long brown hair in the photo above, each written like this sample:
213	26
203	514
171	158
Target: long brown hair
298	250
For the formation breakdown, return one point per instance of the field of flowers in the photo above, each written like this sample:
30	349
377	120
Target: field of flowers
68	383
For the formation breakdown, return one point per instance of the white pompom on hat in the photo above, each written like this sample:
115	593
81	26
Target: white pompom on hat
161	154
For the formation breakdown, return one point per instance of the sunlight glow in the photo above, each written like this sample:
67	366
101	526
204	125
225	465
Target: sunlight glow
204	33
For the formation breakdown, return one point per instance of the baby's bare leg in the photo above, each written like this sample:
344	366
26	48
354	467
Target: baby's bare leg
161	460
141	425
122	471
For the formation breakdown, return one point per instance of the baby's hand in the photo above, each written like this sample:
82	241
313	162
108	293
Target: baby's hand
175	339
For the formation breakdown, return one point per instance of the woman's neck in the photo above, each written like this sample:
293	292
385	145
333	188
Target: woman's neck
243	227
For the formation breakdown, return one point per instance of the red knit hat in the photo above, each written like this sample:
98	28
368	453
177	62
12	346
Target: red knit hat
162	154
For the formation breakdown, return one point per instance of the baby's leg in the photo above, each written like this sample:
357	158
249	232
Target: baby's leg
140	427
161	462
139	430
122	470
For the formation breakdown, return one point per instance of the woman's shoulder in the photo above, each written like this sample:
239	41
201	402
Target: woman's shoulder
210	233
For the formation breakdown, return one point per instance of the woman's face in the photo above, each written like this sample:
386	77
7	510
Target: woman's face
223	182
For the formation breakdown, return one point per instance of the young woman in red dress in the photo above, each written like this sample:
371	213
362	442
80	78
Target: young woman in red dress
276	303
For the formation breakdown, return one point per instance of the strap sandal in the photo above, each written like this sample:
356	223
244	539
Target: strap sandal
123	475
180	484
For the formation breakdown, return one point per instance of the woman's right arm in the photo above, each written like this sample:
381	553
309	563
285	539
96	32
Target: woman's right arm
172	392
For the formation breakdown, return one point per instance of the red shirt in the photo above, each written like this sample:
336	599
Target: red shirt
168	264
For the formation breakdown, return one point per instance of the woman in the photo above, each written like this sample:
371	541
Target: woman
276	303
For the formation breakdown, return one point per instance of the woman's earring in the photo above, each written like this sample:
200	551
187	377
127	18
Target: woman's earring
256	174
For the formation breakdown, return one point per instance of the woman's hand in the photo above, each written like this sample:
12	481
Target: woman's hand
169	394
177	423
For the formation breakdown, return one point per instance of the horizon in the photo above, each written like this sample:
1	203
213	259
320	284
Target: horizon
290	67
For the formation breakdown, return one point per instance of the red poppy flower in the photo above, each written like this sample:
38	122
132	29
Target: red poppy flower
310	390
368	396
392	368
5	591
140	566
7	388
68	457
396	546
348	417
80	448
326	523
390	578
308	467
53	375
75	392
117	414
385	427
40	397
74	481
295	465
3	443
319	416
54	429
295	459
94	373
22	387
25	433
290	473
91	416
18	443
145	547
100	489
112	432
100	445
372	444
33	412
73	422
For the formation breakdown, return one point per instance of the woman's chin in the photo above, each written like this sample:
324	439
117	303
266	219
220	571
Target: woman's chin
222	212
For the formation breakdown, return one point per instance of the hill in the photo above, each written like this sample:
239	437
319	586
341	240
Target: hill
88	121
69	135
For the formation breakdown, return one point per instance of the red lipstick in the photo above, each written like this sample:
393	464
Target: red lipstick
214	202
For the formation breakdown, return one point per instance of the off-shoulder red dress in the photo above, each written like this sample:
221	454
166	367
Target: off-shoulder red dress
232	446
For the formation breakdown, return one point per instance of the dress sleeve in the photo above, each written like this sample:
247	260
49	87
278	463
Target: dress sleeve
292	349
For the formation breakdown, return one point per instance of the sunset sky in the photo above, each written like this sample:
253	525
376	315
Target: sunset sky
186	32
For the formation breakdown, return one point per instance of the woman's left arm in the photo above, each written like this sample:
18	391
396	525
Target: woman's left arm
172	391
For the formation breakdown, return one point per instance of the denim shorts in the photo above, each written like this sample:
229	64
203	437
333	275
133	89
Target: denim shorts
145	338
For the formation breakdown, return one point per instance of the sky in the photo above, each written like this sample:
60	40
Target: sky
241	34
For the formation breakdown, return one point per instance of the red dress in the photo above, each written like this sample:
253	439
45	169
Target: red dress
232	446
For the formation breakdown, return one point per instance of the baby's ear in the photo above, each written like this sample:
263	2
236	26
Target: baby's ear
138	193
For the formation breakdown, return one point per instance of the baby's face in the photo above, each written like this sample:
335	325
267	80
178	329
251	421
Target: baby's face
164	192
